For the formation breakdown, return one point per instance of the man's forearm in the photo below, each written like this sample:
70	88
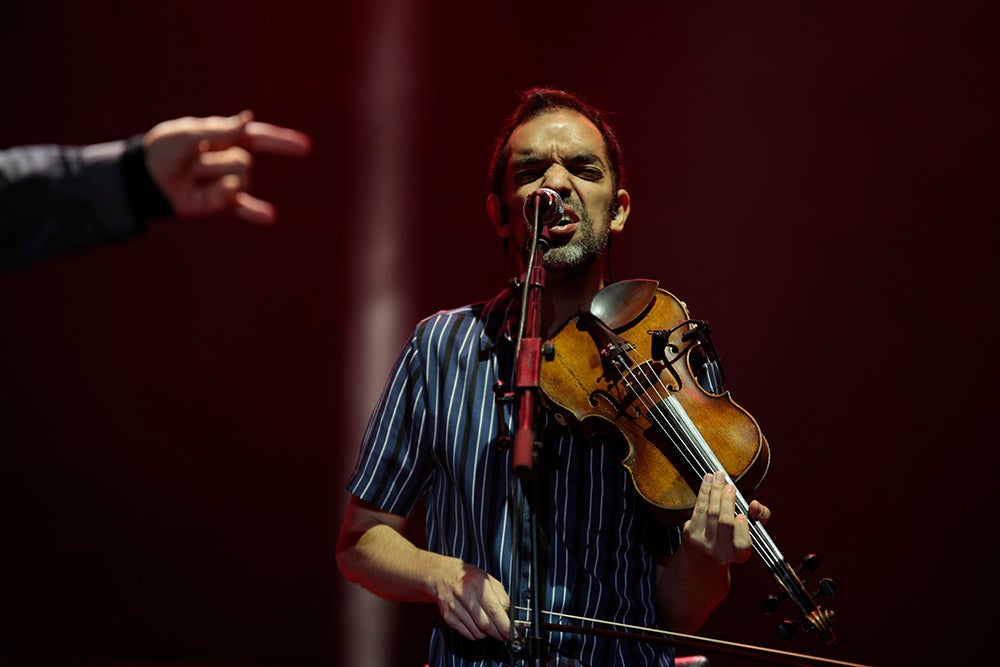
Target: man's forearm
389	565
59	199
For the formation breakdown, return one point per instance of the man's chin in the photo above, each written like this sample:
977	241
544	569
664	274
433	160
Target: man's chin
567	260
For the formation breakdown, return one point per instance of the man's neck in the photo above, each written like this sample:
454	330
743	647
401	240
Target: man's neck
566	296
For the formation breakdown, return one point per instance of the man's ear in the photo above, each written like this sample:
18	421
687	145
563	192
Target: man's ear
624	206
494	209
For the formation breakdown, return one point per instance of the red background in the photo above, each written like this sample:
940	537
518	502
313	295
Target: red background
180	412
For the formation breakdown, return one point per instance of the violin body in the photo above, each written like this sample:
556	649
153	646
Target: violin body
604	395
630	366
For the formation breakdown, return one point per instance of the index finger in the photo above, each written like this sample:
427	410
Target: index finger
268	138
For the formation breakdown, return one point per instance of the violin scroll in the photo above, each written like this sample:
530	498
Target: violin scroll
814	618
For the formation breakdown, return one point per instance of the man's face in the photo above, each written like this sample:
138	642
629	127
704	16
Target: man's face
564	151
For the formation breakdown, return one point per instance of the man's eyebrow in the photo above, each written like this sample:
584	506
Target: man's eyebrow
527	160
531	159
585	158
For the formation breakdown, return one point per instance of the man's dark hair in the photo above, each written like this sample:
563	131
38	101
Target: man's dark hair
536	101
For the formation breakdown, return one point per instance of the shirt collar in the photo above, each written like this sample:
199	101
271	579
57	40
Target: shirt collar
500	317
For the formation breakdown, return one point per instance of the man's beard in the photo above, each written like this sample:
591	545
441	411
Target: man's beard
580	252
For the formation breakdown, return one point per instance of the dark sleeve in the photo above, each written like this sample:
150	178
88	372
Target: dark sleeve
60	199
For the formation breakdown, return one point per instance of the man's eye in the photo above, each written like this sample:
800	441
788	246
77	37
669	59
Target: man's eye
523	177
590	173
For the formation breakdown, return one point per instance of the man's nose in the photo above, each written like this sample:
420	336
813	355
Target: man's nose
557	178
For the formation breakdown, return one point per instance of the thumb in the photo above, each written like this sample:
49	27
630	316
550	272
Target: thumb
499	591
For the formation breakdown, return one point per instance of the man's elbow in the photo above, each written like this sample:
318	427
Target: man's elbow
346	555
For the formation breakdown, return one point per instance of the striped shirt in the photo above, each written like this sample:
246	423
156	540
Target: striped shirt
433	435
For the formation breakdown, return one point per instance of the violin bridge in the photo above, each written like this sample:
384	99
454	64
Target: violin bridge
615	351
614	358
641	377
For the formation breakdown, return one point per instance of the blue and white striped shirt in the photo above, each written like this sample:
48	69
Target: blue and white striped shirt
433	435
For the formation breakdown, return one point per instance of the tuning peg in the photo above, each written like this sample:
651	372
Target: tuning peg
810	562
771	602
786	629
827	587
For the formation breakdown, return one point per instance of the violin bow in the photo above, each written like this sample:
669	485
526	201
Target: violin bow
638	633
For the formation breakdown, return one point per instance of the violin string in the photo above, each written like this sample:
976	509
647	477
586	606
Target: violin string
670	416
699	456
674	421
688	453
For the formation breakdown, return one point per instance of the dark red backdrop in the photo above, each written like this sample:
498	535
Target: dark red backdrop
817	179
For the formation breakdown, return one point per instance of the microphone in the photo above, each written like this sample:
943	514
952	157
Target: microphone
547	204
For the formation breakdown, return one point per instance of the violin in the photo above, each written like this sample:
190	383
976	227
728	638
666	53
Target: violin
631	366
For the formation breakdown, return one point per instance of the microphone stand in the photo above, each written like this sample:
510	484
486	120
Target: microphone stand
534	646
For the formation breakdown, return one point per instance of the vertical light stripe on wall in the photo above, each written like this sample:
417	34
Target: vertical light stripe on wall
378	230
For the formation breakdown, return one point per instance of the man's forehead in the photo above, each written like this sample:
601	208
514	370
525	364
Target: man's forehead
565	127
